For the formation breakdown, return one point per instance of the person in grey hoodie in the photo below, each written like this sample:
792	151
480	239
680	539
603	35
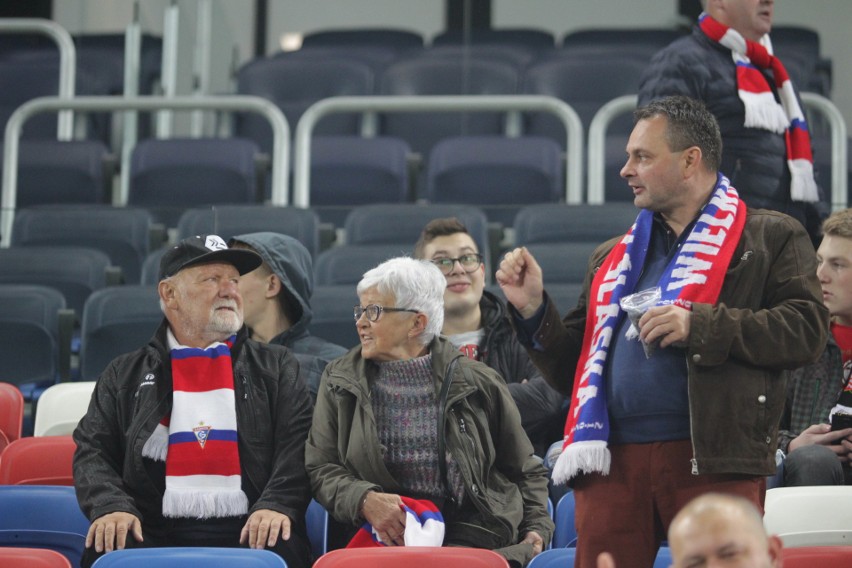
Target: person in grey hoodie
276	300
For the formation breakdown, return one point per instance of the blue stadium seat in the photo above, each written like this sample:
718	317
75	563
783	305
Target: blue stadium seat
402	223
644	42
516	55
75	271
664	558
565	534
151	267
229	220
346	264
576	78
294	83
182	557
333	321
563	263
424	75
564	295
532	38
316	519
554	558
169	176
564	557
799	49
375	57
116	320
350	170
52	171
387	38
549	223
45	516
36	74
498	174
122	233
35	336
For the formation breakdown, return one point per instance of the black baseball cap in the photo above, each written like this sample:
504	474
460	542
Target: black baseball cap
202	249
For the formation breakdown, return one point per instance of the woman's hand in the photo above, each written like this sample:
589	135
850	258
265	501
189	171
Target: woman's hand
535	540
384	511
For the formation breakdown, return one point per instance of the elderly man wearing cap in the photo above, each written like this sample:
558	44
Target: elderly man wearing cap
197	439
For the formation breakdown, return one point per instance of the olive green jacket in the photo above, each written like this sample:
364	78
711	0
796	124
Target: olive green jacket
505	484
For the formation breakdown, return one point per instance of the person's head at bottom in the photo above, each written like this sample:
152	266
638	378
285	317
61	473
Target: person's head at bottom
722	530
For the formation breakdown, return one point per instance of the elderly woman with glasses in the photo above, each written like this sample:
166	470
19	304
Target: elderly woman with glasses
408	415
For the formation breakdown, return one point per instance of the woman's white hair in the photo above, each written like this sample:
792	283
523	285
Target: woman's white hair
414	284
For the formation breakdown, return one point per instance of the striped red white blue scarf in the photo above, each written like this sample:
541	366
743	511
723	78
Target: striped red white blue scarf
761	109
694	275
198	441
424	526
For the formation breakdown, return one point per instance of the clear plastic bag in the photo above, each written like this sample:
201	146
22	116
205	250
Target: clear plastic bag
637	304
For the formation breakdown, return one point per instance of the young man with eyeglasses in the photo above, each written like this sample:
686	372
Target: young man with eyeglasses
475	322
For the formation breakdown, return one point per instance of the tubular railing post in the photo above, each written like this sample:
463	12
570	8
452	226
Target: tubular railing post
130	124
171	32
203	43
233	103
839	142
597	144
460	103
67	62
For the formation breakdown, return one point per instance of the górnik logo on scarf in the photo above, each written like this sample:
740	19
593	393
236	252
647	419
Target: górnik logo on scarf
202	433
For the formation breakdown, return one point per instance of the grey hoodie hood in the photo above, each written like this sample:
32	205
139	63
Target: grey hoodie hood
291	263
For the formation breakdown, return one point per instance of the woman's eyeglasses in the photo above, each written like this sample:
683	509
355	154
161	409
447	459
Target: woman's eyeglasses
469	262
374	311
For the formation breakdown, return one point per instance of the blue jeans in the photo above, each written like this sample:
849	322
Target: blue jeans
813	465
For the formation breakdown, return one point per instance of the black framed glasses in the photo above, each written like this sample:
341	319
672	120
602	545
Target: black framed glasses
374	311
469	262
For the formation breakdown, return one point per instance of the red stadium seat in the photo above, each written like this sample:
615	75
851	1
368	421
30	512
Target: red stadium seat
32	558
822	556
38	461
11	412
412	557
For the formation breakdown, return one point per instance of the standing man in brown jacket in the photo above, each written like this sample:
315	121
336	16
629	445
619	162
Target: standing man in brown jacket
684	397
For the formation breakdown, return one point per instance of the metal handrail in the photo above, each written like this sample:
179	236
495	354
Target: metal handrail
597	143
280	131
439	103
812	101
67	61
839	142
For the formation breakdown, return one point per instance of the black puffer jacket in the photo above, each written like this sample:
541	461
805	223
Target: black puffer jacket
541	406
135	392
755	160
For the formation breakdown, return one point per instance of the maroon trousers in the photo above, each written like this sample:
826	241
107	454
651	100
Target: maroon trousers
628	512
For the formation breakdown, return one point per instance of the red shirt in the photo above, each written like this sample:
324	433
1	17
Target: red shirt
843	336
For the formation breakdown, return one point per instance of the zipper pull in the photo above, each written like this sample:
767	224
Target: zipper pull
461	425
694	466
245	387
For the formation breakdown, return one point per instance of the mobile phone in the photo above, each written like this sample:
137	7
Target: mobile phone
841	421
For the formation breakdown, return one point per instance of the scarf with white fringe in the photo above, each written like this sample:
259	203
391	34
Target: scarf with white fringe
198	441
424	526
695	274
761	109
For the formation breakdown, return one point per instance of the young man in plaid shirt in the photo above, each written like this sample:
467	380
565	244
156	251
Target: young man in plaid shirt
820	394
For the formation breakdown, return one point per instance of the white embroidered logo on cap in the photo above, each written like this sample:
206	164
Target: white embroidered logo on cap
215	242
